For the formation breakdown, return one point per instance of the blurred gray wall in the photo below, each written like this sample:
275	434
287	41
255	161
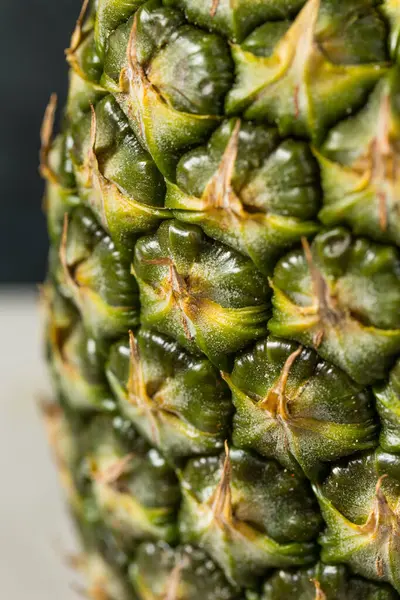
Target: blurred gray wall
33	35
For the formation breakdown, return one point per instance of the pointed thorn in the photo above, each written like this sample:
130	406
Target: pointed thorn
317	338
93	130
77	33
63	254
218	192
226	448
379	483
46	134
383	212
98	593
63	247
221	500
226	377
76	562
49	410
174	580
296	102
379	566
382	517
275	401
132	46
137	392
133	346
319	594
214	8
114	472
326	310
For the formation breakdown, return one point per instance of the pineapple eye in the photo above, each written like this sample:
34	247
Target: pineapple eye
221	314
96	277
248	189
175	400
303	403
344	297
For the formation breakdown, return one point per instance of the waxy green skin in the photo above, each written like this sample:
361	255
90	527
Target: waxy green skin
363	522
208	297
61	195
117	179
155	571
300	85
388	405
166	48
180	404
236	20
215	156
78	367
248	189
141	502
313	418
359	163
330	581
76	360
268	517
96	277
343	300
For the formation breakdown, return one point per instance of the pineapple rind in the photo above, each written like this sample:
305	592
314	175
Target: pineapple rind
203	143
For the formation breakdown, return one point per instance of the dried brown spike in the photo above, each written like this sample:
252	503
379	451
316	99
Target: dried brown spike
382	521
319	594
46	134
174	580
180	293
51	414
218	192
275	400
128	75
383	212
77	33
327	312
77	562
49	409
131	48
221	500
214	8
97	592
136	384
133	78
114	471
93	129
296	102
380	571
63	253
137	392
135	357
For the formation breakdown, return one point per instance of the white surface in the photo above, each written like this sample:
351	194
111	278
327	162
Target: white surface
35	534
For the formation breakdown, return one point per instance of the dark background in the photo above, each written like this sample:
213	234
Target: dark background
33	36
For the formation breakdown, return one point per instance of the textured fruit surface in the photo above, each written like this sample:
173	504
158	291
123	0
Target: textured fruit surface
223	298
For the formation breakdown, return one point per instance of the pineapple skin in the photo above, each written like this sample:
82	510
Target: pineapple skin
223	298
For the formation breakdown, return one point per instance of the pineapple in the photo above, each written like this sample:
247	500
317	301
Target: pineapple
223	298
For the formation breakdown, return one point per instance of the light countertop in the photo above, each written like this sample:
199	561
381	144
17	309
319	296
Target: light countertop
35	535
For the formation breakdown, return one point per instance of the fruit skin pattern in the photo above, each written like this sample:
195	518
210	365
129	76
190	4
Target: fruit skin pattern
223	298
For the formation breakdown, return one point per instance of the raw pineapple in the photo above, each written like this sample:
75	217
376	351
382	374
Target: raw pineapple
223	298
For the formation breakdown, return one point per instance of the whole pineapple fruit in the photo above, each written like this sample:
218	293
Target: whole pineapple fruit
223	298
